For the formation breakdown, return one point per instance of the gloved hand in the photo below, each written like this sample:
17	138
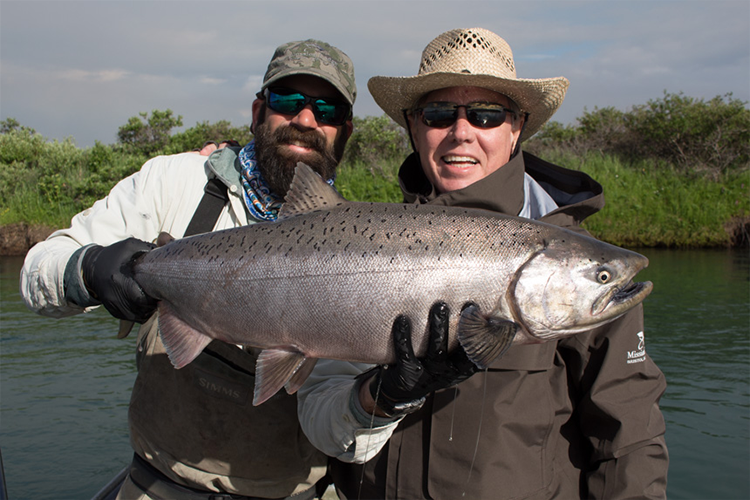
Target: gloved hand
402	387
108	275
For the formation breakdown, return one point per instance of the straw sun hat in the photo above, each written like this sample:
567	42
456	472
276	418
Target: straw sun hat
473	57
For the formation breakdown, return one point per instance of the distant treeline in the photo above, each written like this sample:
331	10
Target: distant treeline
675	170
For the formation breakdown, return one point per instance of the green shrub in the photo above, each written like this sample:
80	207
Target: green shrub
20	149
675	171
377	141
103	167
711	137
146	134
691	135
360	182
196	136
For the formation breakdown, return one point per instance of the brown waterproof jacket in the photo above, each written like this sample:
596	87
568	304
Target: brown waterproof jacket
577	418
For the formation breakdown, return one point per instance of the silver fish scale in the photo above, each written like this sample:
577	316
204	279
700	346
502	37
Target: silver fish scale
340	275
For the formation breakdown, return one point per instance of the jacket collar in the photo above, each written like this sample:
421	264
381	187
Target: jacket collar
501	191
224	163
576	194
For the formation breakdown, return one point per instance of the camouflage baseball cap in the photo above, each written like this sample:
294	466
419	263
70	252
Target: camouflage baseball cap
313	57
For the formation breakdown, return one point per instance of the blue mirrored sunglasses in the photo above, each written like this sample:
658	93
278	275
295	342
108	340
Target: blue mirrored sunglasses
291	102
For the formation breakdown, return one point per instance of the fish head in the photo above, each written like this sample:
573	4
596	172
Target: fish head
575	284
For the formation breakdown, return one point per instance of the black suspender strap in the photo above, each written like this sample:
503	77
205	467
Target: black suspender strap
214	198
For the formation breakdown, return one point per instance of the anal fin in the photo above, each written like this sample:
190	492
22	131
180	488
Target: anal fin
300	375
274	368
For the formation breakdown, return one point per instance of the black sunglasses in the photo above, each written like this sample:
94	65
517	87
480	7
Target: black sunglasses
291	102
479	114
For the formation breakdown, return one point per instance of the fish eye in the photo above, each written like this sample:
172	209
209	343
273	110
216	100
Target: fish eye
603	276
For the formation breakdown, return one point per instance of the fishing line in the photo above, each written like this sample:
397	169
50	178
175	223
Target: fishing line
453	412
479	431
369	435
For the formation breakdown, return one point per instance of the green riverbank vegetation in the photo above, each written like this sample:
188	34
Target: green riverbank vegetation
675	171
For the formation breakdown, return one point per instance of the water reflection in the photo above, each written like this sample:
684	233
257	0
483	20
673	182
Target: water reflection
65	389
698	332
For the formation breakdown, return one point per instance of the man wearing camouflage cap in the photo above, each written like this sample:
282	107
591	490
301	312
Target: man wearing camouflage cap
195	432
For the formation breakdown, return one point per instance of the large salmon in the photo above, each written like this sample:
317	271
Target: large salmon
330	276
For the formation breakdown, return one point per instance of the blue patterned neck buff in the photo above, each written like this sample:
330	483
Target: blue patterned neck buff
262	203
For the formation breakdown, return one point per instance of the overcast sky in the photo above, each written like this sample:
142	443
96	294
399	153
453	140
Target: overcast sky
81	68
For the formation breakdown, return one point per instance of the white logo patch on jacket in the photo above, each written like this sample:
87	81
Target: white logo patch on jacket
639	354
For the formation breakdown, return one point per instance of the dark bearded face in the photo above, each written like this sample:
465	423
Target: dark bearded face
277	162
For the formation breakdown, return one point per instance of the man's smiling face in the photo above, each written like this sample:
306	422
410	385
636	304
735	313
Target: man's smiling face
282	140
461	154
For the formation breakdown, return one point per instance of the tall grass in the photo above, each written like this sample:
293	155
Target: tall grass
647	204
655	205
26	206
357	182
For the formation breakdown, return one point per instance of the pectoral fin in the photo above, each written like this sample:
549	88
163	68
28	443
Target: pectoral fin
125	328
484	338
277	367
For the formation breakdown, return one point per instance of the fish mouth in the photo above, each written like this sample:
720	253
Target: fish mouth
622	298
629	290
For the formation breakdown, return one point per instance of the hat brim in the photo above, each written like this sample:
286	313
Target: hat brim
540	98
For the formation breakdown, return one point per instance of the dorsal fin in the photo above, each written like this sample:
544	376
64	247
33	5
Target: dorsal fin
308	193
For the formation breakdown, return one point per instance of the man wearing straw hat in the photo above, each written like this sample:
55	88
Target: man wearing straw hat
578	418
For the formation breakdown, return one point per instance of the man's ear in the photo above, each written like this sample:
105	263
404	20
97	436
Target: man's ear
411	122
515	135
349	128
258	107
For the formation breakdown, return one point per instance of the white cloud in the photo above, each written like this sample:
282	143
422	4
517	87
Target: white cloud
252	84
79	75
212	81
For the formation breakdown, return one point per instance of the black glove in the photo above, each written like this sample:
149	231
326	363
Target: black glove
402	387
108	275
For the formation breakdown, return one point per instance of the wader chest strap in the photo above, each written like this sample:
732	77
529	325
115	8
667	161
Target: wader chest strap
208	211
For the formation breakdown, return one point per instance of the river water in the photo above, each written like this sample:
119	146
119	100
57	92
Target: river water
65	384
